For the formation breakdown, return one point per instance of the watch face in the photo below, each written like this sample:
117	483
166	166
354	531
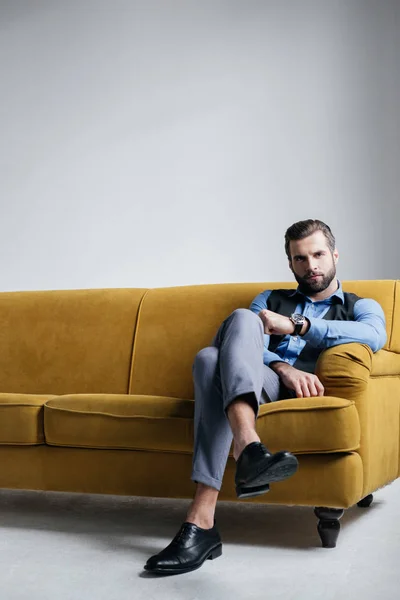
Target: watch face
297	319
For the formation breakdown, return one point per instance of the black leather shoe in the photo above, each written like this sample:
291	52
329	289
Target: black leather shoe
188	550
256	468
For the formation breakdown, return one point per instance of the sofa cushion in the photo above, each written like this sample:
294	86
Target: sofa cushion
67	341
120	421
21	419
166	424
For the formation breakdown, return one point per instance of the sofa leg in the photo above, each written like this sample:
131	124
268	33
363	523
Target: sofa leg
328	525
365	502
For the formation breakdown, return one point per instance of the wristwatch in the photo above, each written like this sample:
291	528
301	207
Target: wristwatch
298	321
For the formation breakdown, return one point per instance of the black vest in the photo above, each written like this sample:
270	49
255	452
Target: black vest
281	302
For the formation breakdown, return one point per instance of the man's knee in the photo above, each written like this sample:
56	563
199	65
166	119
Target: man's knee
247	316
205	359
242	313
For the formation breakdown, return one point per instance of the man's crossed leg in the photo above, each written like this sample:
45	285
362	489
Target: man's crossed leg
230	381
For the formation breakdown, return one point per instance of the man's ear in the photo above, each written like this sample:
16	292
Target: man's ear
335	255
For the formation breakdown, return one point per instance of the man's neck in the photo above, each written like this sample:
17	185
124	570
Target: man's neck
331	289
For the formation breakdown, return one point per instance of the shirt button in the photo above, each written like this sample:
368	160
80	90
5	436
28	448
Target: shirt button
286	360
295	338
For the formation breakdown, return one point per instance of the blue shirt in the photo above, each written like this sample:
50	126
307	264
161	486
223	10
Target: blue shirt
368	326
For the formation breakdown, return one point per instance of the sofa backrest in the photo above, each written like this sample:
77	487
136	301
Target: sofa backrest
64	342
175	323
80	341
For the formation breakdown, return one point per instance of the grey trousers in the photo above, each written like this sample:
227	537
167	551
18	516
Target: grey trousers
231	366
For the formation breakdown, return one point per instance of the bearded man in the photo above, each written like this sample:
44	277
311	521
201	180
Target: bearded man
264	354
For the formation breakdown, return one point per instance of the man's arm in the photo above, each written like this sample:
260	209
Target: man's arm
304	384
367	328
260	303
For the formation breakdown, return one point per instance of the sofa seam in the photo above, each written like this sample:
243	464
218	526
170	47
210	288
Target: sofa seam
124	448
273	411
21	405
188	452
393	313
384	376
133	350
23	443
308	408
103	414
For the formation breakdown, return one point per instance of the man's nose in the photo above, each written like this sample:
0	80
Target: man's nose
312	264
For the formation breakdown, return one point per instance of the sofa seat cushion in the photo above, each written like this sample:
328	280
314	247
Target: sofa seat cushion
310	425
158	423
21	419
120	421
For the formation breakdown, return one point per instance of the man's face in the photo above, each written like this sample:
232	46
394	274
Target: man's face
313	264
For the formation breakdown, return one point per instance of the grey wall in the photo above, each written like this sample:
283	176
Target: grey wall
152	143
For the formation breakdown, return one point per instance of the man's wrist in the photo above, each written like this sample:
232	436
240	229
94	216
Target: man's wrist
279	366
305	327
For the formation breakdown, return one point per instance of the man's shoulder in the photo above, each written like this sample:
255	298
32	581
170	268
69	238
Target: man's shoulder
360	303
367	304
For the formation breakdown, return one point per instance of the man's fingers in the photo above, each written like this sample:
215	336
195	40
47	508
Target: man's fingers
312	385
312	388
319	386
306	385
304	388
298	390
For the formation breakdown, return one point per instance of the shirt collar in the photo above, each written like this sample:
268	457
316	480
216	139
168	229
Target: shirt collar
337	296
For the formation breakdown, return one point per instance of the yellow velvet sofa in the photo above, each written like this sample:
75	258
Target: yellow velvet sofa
97	396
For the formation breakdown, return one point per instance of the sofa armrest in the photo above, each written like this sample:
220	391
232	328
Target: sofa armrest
344	370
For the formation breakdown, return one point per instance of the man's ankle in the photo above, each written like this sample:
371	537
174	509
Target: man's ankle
202	510
202	521
240	445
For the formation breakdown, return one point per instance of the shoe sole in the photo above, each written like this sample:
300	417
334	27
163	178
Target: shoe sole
276	472
214	553
251	492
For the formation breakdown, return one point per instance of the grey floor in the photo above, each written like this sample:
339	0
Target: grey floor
87	547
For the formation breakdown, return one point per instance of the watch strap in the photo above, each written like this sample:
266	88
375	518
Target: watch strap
298	323
297	328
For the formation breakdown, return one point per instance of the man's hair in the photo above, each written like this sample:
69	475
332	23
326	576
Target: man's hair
303	229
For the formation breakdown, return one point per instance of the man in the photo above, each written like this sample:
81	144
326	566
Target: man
264	354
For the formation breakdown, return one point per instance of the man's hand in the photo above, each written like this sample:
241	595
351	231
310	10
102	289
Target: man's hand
304	384
278	324
275	323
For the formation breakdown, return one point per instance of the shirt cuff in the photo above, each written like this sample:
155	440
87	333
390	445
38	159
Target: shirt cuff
272	357
316	332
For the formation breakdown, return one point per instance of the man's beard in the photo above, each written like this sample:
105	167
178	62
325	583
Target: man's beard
309	287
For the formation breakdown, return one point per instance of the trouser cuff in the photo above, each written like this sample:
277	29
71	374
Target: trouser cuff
255	405
198	477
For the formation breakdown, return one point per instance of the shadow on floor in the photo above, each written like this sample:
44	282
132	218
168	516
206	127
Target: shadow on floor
148	524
